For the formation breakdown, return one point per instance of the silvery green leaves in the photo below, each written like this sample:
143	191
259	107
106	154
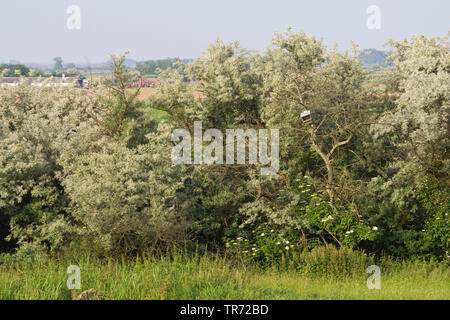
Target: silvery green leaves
235	144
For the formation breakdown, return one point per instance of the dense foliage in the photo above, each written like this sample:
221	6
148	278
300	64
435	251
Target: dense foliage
13	70
93	169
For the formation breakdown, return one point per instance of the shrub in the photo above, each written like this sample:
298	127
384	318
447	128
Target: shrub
306	220
33	127
124	198
72	167
29	253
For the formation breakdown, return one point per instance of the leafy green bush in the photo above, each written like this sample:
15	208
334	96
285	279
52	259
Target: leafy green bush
410	195
33	127
29	254
76	166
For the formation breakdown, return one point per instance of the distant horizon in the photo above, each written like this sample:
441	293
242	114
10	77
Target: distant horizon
128	58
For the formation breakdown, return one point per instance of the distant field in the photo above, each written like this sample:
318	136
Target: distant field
159	115
212	278
146	92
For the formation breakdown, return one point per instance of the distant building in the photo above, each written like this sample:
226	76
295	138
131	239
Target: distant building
39	81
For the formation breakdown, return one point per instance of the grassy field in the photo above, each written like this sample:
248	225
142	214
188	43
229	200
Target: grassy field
213	277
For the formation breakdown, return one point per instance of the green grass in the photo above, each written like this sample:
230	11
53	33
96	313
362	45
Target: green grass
158	115
213	277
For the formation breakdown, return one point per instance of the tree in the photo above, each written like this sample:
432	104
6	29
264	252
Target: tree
70	66
151	67
95	170
58	64
122	118
416	179
421	119
301	75
242	89
14	70
221	88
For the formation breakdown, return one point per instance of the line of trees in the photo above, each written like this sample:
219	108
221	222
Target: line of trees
14	70
151	67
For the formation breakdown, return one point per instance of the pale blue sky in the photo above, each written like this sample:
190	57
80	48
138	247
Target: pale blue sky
35	31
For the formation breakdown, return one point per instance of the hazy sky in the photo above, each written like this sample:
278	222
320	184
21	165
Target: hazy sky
36	31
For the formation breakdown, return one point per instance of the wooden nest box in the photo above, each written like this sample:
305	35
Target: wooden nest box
306	116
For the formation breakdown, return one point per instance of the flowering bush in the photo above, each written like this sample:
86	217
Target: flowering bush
331	221
267	244
309	220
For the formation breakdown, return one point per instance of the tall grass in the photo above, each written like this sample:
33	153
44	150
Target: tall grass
335	263
326	274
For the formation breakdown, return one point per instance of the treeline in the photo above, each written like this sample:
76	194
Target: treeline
370	171
13	70
151	67
18	70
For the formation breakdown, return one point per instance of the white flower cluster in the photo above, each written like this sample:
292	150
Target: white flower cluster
327	219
